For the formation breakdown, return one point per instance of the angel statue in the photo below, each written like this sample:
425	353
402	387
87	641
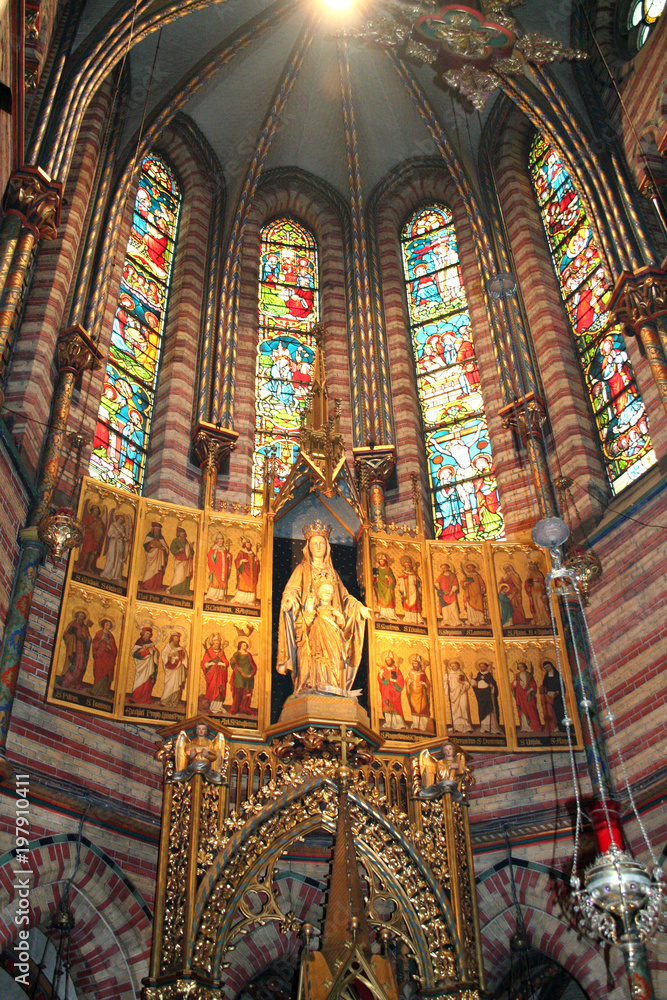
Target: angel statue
199	754
321	634
435	776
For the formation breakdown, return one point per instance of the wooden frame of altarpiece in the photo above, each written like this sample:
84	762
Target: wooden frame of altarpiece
187	623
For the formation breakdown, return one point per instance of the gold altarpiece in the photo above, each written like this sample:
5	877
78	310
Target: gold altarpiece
161	601
169	618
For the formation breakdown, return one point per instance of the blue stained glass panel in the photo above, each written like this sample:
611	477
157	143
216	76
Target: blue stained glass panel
288	307
121	437
463	487
621	419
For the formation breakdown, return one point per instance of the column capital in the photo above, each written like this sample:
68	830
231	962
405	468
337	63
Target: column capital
31	192
639	297
376	462
525	415
77	353
212	444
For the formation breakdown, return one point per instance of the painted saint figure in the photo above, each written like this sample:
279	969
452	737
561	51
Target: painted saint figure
410	589
512	582
299	600
247	574
175	665
242	683
219	563
447	589
418	687
552	699
384	584
392	682
157	553
486	692
77	650
215	667
474	595
535	587
117	547
146	659
183	552
105	652
94	530
524	689
459	687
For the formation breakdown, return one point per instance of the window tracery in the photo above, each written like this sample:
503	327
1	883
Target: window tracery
639	20
126	407
621	419
464	492
287	310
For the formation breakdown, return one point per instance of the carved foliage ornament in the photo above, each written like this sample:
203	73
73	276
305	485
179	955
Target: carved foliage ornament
33	194
476	46
641	297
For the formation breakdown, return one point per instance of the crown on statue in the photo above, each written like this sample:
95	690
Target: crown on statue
316	528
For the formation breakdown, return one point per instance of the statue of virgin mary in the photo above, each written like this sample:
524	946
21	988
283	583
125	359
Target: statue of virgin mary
321	633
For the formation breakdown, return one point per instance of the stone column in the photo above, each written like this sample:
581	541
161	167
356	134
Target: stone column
76	354
211	446
637	302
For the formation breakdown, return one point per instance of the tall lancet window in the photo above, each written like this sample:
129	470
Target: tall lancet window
126	407
463	483
288	308
620	416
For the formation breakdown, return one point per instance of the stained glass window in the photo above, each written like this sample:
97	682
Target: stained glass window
463	482
641	19
288	308
620	416
126	407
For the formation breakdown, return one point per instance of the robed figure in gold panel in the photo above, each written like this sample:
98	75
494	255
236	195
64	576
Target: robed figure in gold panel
321	632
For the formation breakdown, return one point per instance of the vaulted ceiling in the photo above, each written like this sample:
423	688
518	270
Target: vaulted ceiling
230	108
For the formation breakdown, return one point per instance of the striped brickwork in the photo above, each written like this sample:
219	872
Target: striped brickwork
13	511
577	451
5	120
32	372
642	82
420	186
309	205
170	475
111	935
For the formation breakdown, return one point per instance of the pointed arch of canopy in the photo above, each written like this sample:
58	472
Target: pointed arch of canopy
428	920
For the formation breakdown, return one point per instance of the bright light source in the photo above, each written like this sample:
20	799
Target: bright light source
338	4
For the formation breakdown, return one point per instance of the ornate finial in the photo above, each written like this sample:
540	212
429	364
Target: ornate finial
316	528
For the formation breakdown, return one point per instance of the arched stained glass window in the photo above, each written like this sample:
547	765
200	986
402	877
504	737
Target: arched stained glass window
126	407
622	422
463	482
288	308
640	20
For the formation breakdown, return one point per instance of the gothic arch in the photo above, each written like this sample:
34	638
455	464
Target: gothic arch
577	448
538	893
409	187
111	936
429	923
322	211
190	310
